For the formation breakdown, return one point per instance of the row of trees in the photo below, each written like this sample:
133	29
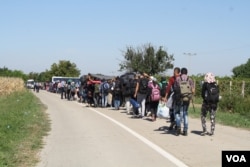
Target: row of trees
5	72
63	68
146	58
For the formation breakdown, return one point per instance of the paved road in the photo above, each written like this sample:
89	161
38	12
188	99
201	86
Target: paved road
92	137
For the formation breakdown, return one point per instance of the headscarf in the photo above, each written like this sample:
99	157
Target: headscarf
152	78
209	77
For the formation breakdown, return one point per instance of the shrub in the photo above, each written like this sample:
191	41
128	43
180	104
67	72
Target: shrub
234	103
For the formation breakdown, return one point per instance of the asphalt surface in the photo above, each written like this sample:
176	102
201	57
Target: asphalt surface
83	136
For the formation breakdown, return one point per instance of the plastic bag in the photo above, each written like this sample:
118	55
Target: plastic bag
162	110
169	103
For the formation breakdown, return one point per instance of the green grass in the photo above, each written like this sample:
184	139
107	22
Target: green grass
224	118
23	123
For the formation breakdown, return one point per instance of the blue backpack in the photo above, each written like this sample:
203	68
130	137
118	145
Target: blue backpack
105	87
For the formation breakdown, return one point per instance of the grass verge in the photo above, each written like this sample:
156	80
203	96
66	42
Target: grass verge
23	123
224	118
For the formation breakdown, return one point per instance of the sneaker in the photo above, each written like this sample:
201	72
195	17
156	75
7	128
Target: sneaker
211	133
143	118
148	114
204	133
185	133
178	131
137	116
171	127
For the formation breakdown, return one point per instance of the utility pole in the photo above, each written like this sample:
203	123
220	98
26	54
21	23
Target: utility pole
189	60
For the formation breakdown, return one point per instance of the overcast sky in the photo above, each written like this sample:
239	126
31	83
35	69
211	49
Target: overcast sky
214	34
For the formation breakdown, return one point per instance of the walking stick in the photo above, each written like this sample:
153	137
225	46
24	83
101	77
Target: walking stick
193	104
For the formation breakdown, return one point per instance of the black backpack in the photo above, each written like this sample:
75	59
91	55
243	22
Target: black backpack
212	93
132	84
117	88
143	86
126	90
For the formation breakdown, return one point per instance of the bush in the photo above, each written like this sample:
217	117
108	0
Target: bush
234	103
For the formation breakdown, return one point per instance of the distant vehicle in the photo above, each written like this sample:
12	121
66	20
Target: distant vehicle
30	83
56	79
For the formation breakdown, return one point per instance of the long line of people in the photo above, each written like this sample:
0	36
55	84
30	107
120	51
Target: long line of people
139	94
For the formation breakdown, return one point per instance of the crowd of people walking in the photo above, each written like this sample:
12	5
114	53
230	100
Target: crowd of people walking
140	95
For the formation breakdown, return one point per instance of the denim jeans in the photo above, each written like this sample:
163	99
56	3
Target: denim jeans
97	99
117	104
181	115
104	100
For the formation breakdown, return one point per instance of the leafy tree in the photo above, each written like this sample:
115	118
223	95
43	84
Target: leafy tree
41	77
44	76
33	75
242	71
146	59
65	69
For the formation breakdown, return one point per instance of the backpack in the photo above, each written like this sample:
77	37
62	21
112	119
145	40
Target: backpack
97	88
132	84
143	86
105	87
72	88
69	86
155	94
182	90
126	89
212	93
163	88
117	88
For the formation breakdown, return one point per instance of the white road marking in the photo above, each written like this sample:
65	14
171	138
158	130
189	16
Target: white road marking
158	149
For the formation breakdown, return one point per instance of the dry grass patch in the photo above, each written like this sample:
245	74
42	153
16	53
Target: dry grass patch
10	85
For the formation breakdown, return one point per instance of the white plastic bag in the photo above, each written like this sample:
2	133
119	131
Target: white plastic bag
169	103
163	110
